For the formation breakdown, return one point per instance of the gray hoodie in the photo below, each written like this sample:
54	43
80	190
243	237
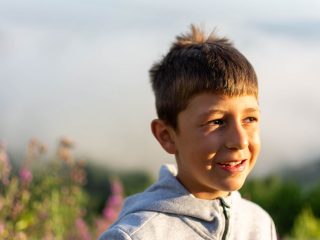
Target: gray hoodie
166	210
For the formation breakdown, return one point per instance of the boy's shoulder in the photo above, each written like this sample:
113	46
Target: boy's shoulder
248	221
252	217
244	208
128	226
153	225
167	211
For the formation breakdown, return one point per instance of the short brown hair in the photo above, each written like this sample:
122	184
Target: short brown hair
198	63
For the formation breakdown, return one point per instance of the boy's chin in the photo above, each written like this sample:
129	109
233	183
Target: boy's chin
231	186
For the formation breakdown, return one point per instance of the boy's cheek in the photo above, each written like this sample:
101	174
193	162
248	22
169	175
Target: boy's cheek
255	144
257	139
209	148
254	136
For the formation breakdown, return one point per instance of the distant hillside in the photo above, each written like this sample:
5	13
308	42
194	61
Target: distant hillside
307	175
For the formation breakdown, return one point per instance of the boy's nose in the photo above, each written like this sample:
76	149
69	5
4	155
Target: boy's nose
237	138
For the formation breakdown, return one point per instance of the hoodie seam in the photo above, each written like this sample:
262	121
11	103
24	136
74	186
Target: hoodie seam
196	229
125	233
142	225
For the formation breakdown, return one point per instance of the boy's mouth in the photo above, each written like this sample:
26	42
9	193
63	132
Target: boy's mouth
233	166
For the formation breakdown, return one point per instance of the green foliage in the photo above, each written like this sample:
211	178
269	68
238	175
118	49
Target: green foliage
97	187
61	198
98	182
134	182
313	199
46	207
296	212
306	225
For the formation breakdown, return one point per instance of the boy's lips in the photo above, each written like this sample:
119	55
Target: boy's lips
233	166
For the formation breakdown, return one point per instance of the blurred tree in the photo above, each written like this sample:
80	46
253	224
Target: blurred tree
313	199
97	187
306	225
282	200
135	182
98	184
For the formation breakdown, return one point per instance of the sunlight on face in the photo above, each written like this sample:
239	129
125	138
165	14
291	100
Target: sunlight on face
217	144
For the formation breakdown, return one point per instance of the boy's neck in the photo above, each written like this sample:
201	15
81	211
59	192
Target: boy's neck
205	193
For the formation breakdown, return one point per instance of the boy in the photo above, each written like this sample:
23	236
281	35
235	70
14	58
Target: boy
208	116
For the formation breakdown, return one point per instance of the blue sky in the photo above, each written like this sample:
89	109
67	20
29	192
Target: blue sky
80	69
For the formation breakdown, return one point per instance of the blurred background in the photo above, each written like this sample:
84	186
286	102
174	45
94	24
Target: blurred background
74	75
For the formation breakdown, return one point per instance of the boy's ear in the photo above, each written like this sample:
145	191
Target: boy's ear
164	134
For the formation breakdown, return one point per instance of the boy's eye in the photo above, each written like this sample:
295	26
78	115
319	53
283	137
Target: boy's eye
216	122
250	119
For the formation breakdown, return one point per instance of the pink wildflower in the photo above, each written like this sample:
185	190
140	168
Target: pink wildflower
101	226
25	176
78	173
64	150
5	166
116	187
109	213
2	228
82	230
114	202
111	209
34	150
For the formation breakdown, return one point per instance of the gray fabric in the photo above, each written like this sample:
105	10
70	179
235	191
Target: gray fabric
166	210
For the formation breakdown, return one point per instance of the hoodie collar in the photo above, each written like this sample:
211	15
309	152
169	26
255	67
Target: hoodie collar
168	195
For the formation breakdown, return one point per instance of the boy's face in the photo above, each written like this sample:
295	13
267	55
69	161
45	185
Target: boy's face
217	143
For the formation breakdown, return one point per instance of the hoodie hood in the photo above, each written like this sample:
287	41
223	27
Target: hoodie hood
168	195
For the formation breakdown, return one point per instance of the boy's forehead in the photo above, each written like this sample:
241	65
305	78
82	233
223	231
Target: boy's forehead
219	103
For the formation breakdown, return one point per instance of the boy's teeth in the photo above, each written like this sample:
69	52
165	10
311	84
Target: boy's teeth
231	164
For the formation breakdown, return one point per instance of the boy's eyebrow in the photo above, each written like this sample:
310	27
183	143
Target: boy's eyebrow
251	110
213	111
219	111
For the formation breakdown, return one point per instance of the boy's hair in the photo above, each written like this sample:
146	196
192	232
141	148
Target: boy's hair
197	63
